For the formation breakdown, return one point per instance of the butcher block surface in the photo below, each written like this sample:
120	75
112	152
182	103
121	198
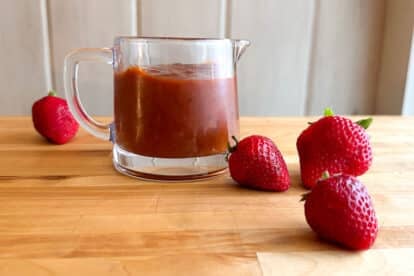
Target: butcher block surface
64	210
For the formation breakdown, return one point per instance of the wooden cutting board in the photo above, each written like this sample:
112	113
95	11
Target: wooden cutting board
65	211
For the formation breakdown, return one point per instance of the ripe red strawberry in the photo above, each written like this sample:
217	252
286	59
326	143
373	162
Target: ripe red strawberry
53	120
255	162
339	209
335	144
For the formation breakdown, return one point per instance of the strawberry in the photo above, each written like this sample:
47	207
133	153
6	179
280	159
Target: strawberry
255	162
335	144
53	120
339	209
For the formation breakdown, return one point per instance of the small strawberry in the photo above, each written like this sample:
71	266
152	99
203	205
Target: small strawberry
53	120
335	144
255	162
339	209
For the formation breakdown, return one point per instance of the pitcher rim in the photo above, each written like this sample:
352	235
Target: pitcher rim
176	38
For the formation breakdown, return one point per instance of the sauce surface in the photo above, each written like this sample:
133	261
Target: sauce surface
174	111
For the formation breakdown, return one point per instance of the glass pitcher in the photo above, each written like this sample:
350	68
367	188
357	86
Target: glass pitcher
175	104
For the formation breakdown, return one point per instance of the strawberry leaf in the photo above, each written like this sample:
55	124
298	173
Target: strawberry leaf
365	123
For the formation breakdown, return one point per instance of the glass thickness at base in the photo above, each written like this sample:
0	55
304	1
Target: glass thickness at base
173	169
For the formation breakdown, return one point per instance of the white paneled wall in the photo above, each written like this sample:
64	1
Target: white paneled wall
346	56
24	66
398	30
408	107
92	23
305	54
194	18
273	72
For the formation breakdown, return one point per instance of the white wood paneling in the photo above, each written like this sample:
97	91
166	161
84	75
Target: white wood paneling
348	38
272	73
186	18
356	61
92	23
399	20
23	73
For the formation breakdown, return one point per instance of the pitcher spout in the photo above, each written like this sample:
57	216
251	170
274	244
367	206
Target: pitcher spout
240	47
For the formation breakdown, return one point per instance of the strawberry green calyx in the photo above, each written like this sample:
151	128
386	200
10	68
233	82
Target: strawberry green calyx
365	123
52	93
328	112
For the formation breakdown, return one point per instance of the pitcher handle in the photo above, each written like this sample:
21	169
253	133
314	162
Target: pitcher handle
70	79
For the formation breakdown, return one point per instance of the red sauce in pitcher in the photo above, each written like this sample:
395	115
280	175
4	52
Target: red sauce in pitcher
174	111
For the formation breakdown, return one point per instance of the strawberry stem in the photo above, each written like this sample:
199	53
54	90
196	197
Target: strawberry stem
328	112
304	196
325	175
230	148
365	123
52	93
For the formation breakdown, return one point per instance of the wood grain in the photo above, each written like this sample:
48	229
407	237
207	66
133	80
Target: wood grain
377	261
200	264
65	211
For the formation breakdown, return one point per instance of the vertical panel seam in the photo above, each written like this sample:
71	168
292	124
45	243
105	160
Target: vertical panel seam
134	16
309	71
228	18
139	20
224	19
380	60
47	44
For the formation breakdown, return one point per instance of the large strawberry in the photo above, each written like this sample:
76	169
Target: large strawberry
339	209
53	120
335	144
256	162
